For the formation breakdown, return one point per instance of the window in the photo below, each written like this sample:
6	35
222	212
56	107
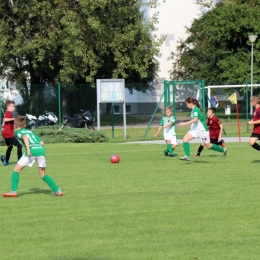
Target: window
128	109
116	109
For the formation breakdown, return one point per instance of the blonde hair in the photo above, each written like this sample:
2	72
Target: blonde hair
20	121
168	108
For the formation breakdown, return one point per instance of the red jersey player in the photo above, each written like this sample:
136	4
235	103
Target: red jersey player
215	131
8	133
255	101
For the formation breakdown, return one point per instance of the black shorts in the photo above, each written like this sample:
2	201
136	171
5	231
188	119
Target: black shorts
213	141
12	141
255	136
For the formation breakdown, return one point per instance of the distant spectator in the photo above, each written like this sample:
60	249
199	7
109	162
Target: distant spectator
214	101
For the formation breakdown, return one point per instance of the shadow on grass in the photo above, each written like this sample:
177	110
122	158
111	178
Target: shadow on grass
200	161
36	191
256	161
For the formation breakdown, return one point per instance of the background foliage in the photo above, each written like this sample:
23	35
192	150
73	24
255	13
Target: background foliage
217	47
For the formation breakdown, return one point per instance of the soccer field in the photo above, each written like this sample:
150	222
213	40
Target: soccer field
146	207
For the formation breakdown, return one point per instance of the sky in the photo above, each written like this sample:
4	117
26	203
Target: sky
174	16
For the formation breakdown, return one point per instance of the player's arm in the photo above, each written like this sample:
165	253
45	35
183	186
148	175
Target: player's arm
189	122
158	131
169	125
26	143
251	122
221	131
8	119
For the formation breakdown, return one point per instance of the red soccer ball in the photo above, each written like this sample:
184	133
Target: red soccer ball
115	158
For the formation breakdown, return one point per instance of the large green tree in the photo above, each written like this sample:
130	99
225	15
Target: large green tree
76	41
217	48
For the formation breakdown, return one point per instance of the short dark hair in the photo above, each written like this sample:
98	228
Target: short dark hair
213	109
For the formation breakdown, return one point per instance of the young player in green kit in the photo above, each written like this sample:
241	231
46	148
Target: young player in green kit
34	152
168	124
198	129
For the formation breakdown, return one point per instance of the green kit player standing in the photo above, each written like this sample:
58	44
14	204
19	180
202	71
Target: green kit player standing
168	124
34	152
198	129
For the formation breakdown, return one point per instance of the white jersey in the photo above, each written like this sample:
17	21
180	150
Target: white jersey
166	121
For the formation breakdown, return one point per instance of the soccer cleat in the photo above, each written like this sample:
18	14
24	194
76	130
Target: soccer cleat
224	154
58	193
7	163
171	155
12	194
3	160
185	158
165	152
196	156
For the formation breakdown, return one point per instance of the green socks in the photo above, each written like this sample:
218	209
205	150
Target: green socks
14	181
169	148
217	148
186	147
50	183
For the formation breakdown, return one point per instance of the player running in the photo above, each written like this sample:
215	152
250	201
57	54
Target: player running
255	101
215	131
198	129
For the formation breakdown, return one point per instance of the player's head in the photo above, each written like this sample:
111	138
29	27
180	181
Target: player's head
20	121
10	105
211	111
255	100
168	111
191	102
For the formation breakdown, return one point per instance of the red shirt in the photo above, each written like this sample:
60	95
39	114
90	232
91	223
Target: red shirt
8	127
256	116
214	128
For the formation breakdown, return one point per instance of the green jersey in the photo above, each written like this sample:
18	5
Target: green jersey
200	125
166	121
36	149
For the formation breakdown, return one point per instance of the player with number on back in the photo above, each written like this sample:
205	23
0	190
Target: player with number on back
168	124
215	131
34	152
198	129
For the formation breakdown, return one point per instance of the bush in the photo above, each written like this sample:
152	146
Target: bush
51	134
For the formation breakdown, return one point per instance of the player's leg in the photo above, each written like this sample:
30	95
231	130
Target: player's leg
42	172
19	147
173	144
15	179
9	144
166	151
222	143
252	141
214	147
199	151
186	145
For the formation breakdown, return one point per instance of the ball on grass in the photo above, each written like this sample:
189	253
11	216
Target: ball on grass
114	158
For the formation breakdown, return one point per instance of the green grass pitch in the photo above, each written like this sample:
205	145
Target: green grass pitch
147	207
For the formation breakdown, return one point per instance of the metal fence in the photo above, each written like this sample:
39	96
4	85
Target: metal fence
70	99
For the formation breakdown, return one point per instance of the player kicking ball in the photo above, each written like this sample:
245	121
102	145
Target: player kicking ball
215	131
198	129
34	152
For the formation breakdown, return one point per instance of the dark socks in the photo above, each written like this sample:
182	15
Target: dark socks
200	150
8	153
256	146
